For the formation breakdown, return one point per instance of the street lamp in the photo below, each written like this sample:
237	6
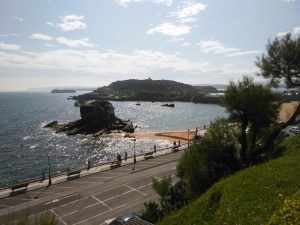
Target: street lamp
49	172
134	155
188	138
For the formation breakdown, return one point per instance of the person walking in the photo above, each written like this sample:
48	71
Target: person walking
119	158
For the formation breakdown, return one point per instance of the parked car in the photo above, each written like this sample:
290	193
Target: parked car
285	133
295	130
124	218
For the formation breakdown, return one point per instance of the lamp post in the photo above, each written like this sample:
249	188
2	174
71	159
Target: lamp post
188	138
134	155
49	172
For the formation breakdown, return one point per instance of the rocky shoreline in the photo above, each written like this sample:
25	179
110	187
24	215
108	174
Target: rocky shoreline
97	118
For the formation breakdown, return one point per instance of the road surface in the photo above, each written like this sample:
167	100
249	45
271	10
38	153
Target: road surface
94	199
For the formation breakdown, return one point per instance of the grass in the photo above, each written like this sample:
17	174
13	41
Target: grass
289	213
251	196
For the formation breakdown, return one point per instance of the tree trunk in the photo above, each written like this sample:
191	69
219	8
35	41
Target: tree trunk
254	135
244	141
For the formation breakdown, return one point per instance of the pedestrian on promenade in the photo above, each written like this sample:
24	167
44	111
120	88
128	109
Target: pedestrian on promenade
119	158
125	156
154	149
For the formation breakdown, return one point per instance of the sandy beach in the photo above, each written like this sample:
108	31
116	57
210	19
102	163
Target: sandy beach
286	111
169	135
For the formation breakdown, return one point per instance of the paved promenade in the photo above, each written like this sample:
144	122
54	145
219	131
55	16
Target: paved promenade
97	196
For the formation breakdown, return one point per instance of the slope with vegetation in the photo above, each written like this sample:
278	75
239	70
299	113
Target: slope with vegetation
149	90
251	196
222	176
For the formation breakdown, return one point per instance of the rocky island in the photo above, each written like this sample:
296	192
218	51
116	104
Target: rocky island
97	117
63	91
151	90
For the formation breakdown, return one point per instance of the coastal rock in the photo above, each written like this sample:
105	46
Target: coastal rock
51	125
129	128
97	118
168	105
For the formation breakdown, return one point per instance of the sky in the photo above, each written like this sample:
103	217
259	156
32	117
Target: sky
55	43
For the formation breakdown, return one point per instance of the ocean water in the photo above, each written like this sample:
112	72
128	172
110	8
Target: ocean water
25	144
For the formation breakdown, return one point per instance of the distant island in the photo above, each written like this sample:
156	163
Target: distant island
63	91
151	90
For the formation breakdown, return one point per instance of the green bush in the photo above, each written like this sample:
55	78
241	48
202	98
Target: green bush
250	196
214	157
289	214
152	213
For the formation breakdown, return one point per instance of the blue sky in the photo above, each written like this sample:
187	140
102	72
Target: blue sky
94	42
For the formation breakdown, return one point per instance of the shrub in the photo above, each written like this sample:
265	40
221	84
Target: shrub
214	157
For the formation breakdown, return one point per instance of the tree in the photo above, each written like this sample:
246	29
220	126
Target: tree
152	213
253	106
162	188
210	159
281	63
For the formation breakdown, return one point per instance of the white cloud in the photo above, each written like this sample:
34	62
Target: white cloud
233	69
175	24
8	35
280	34
126	2
50	45
18	18
102	63
84	42
6	46
242	53
215	47
170	29
295	30
51	24
71	22
42	37
115	65
188	11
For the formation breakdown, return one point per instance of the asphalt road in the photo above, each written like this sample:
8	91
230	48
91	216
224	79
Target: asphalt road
93	199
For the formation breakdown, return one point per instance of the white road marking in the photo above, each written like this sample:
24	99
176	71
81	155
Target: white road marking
58	199
113	173
124	193
100	214
83	182
99	202
58	217
94	177
134	189
24	199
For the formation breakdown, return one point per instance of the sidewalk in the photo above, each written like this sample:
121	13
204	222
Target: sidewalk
85	172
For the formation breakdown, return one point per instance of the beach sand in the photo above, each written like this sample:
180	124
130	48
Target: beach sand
286	110
169	135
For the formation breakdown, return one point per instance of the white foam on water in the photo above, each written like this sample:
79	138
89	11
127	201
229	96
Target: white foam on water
33	146
26	138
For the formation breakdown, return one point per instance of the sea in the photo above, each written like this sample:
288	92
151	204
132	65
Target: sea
25	145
